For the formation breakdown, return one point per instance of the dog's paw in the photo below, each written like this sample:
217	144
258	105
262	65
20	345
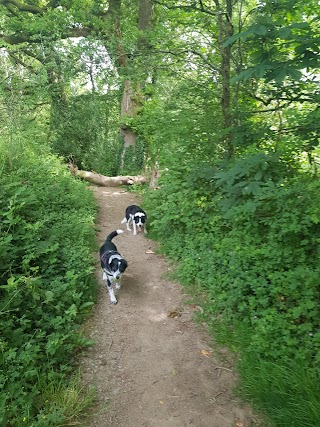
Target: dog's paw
113	301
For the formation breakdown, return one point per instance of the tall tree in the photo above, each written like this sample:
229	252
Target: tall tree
207	25
131	70
41	25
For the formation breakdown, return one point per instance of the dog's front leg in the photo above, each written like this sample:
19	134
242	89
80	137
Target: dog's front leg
134	227
128	222
113	299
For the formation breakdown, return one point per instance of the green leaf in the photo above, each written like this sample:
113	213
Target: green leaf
294	73
260	70
300	25
238	36
258	176
49	297
261	30
244	75
278	75
284	33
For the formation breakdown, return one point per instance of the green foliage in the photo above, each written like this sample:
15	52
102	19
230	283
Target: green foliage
134	159
249	176
181	125
257	243
245	230
47	286
84	133
284	42
63	403
287	392
275	81
247	236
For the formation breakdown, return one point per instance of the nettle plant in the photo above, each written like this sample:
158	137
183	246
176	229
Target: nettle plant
46	290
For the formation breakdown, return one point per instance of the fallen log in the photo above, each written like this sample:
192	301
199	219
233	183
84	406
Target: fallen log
110	181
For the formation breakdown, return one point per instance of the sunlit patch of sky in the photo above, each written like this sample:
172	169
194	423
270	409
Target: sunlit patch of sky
97	64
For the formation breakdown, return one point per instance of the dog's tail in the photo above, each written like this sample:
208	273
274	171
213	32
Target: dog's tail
124	220
113	234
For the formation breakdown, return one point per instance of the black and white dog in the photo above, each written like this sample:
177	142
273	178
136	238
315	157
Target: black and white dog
137	216
113	264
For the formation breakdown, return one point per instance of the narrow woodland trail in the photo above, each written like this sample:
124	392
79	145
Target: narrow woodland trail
152	366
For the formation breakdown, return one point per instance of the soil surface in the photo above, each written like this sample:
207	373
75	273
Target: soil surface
151	364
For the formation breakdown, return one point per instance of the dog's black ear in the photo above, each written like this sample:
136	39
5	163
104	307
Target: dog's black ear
123	265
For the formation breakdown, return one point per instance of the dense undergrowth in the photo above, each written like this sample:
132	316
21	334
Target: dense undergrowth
47	287
247	239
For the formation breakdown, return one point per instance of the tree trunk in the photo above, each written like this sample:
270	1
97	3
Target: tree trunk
132	93
129	108
225	30
110	181
58	104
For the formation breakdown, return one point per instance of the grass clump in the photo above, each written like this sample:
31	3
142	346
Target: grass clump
64	403
287	392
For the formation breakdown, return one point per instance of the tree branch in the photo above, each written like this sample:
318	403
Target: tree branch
22	7
196	53
188	8
108	181
19	61
28	38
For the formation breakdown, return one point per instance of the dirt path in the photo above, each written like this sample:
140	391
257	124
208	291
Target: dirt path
150	369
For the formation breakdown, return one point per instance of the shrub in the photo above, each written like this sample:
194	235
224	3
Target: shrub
250	245
47	286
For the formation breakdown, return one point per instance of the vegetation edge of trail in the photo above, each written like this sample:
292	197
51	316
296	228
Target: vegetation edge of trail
47	289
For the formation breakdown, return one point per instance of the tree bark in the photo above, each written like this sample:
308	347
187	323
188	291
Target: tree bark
132	90
225	30
129	108
110	181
